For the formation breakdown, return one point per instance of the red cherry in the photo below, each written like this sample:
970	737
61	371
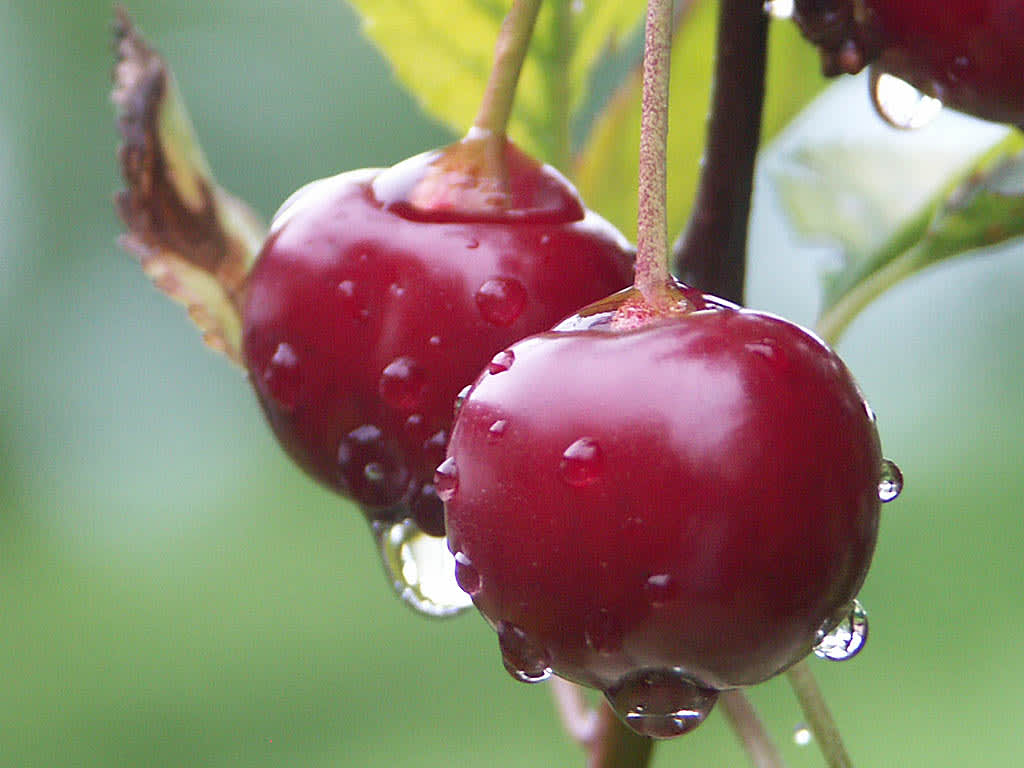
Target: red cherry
673	508
379	294
968	54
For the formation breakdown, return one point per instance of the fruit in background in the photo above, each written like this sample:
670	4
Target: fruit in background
664	507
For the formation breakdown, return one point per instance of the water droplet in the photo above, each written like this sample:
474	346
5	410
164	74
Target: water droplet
446	479
466	575
890	481
582	463
661	703
371	471
545	239
899	103
434	448
497	429
374	472
602	631
779	9
501	362
401	384
434	341
472	243
660	589
524	659
846	639
802	735
363	314
959	69
396	290
347	288
420	568
281	377
460	399
501	300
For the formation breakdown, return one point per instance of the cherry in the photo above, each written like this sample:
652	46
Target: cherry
966	53
663	507
379	294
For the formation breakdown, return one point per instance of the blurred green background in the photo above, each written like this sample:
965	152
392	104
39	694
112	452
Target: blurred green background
174	593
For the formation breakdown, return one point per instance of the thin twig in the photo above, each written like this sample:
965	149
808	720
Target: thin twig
750	730
615	745
819	718
711	255
578	718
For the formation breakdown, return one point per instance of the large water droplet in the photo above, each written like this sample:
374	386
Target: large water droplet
603	631
420	568
890	481
501	300
846	639
899	103
661	703
446	479
582	463
779	9
802	735
525	660
281	377
401	384
460	399
466	574
501	362
660	589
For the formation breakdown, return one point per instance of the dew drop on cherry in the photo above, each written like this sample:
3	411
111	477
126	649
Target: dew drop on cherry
371	473
779	9
466	575
446	479
582	463
844	640
890	481
497	430
501	300
661	703
660	589
603	631
899	103
420	568
347	289
525	660
460	399
401	384
281	378
501	362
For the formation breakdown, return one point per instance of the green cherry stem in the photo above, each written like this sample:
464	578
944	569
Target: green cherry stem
819	718
652	273
750	730
509	54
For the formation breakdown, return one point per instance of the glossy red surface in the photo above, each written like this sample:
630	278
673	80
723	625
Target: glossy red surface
699	494
361	325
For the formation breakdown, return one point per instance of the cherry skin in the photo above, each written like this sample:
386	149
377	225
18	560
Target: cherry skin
966	53
666	509
379	294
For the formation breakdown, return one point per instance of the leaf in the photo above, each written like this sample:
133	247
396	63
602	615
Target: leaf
984	208
442	50
611	149
193	239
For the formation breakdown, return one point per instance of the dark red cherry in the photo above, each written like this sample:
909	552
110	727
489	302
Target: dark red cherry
665	507
967	53
379	294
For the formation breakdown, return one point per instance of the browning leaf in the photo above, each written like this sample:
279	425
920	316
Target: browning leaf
193	239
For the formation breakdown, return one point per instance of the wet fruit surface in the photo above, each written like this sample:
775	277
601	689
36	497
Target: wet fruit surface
687	504
375	299
966	53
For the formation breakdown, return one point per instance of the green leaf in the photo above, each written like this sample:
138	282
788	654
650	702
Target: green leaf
611	150
441	51
984	207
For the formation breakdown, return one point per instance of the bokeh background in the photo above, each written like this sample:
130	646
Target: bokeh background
174	593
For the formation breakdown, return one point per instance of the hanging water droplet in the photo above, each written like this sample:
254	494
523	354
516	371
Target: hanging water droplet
401	384
603	631
446	479
661	703
890	481
582	463
660	589
525	660
281	378
497	429
779	9
802	735
420	568
501	300
501	362
460	399
899	103
846	639
466	575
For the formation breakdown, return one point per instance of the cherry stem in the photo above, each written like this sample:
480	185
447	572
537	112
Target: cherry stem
509	54
608	742
750	730
711	254
652	273
819	718
578	718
